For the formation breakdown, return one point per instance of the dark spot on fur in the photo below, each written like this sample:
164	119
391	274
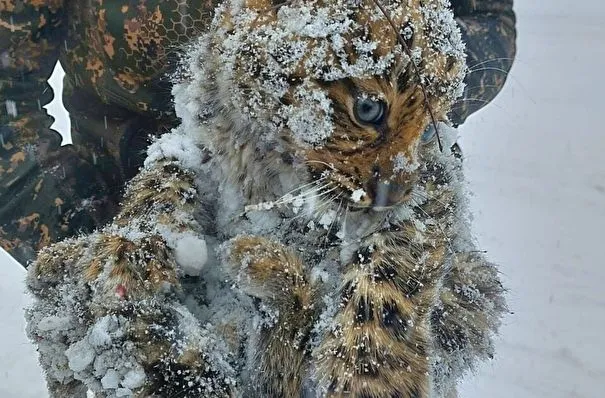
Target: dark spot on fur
414	393
384	272
451	62
336	387
393	321
171	168
168	378
435	173
297	303
278	3
388	273
450	336
366	363
340	351
365	310
333	385
404	80
363	255
287	158
347	292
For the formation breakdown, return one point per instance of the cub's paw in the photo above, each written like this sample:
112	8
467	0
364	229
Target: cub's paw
275	275
466	318
114	266
267	270
106	318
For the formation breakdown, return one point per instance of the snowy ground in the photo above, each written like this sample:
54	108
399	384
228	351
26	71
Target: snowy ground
535	163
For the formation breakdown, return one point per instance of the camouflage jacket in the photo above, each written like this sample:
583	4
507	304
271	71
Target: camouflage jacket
116	55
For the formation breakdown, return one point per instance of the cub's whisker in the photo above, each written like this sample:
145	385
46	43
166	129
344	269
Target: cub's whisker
336	218
488	68
289	198
330	166
288	195
491	60
505	72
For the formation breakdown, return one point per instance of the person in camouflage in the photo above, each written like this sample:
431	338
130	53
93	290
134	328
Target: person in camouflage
118	55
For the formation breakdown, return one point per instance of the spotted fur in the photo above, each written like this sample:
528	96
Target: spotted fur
381	342
376	302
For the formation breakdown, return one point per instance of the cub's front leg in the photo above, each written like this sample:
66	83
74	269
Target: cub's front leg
275	274
106	314
379	343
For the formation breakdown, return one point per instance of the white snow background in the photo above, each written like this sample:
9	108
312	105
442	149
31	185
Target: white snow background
535	160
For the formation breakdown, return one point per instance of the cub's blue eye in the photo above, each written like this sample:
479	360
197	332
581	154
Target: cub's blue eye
368	110
428	135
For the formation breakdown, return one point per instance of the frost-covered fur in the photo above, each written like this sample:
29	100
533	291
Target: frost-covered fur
276	244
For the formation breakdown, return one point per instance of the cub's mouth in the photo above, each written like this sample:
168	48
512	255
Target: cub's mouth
376	193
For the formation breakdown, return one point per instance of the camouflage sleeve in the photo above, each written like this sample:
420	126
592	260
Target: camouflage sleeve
488	28
37	180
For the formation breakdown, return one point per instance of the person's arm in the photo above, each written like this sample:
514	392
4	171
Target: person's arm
41	184
488	29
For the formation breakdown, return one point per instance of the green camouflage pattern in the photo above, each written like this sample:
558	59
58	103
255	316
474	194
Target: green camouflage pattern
488	29
117	55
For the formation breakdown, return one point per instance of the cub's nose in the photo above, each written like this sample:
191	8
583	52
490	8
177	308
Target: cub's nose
387	193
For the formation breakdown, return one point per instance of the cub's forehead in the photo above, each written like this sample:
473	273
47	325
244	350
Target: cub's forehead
334	39
327	40
274	55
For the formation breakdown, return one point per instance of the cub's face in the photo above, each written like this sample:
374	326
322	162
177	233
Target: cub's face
372	153
345	91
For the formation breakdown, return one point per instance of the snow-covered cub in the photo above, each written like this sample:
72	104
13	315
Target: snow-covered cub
300	234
